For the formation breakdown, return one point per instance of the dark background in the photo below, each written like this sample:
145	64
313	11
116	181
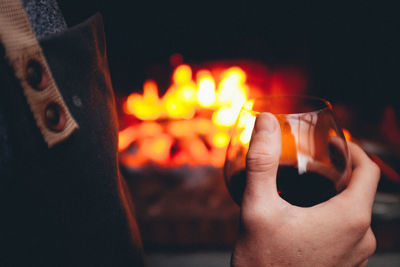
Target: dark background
349	52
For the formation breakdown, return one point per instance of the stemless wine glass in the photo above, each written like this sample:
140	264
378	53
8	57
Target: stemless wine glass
314	164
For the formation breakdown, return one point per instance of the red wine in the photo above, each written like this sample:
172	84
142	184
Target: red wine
304	190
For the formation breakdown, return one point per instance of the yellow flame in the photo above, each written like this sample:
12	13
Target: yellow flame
182	74
226	116
130	103
186	99
244	118
150	92
176	107
182	97
232	89
249	104
187	93
245	136
206	91
220	139
146	107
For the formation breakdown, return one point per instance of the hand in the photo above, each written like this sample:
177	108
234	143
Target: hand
275	233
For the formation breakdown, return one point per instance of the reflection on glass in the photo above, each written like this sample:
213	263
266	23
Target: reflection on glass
314	164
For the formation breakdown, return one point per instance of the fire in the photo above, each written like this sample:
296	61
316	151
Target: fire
190	123
146	107
346	134
126	137
220	139
247	122
157	148
206	89
226	116
182	74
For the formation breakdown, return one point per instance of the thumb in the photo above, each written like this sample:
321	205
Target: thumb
262	161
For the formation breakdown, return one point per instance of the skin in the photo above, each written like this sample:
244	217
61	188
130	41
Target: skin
276	233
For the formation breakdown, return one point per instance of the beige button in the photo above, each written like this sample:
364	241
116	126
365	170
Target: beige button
54	117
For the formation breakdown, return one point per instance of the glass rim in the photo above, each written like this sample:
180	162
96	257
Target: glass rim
326	104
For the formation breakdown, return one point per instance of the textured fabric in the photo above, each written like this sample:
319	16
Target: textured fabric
21	46
45	17
68	205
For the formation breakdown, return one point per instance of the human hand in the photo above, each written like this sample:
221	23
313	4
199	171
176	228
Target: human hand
275	233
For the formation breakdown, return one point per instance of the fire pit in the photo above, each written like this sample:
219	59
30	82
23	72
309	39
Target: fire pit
172	149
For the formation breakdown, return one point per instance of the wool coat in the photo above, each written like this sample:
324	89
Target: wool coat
66	205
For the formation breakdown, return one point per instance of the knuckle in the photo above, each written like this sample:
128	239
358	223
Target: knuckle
253	216
257	216
252	220
371	247
259	161
360	224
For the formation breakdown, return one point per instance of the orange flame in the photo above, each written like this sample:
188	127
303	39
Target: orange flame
202	139
157	148
126	137
346	134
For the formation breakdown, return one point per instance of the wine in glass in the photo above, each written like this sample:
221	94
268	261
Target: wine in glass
314	165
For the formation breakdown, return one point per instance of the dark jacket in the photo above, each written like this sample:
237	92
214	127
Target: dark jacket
66	205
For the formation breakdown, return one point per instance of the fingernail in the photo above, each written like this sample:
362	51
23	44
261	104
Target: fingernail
266	122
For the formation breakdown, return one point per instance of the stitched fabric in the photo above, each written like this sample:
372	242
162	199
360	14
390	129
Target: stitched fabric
20	46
